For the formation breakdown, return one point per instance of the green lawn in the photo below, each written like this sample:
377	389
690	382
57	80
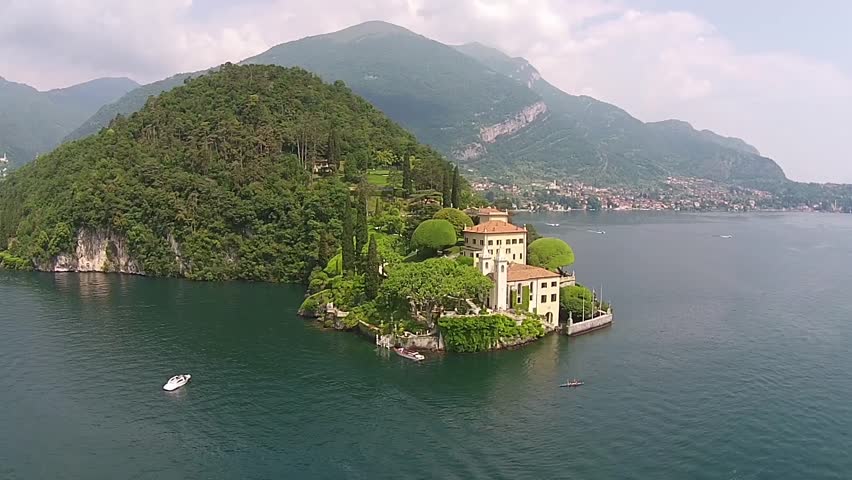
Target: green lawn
378	177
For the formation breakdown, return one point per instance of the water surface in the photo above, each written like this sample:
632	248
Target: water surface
729	359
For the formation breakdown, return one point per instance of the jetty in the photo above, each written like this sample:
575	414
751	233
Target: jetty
602	319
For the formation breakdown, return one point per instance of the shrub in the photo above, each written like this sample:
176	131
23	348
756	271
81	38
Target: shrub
11	262
484	332
456	217
550	253
467	261
433	235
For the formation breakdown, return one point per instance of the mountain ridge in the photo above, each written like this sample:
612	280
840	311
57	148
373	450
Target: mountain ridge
495	114
33	122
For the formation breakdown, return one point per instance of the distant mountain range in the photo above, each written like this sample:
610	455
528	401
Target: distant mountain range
495	114
34	122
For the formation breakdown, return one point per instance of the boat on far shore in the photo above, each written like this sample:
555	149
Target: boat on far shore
409	354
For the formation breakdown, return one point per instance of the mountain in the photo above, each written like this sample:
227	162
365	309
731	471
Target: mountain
34	122
601	142
496	115
125	105
211	180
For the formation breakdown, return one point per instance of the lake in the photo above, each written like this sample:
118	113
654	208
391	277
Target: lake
729	359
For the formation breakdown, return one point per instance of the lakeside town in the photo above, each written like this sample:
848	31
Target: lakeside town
675	194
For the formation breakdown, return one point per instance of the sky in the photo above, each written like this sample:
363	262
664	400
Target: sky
775	73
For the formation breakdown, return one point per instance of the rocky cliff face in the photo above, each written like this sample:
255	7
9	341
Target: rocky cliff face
507	127
471	151
96	251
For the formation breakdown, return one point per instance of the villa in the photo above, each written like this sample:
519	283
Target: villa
498	249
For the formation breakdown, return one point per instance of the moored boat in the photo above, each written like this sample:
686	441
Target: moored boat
409	354
176	382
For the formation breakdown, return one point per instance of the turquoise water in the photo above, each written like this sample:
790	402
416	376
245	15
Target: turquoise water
729	359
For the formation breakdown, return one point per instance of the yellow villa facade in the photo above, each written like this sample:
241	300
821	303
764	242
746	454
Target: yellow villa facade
498	249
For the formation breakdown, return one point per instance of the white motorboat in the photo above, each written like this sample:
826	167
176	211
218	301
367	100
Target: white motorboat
176	382
409	354
552	224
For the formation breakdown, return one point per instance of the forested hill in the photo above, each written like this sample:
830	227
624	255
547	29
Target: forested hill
211	180
34	122
497	115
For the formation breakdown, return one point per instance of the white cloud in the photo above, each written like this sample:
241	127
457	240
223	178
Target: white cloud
654	64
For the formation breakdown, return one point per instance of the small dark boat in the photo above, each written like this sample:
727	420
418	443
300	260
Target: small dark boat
409	354
572	383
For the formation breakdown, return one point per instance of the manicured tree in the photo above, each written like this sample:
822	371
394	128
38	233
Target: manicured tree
361	234
446	189
456	192
406	175
459	219
550	253
348	241
372	279
433	235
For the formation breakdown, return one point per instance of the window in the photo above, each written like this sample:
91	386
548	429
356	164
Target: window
499	242
552	284
490	251
477	255
486	264
543	299
522	256
552	297
514	256
490	242
514	241
543	284
502	268
521	241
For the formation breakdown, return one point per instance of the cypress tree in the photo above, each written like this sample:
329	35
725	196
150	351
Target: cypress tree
347	240
446	189
406	175
361	227
372	279
456	193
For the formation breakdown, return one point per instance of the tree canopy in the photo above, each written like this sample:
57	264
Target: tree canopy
550	253
212	180
433	235
456	217
432	286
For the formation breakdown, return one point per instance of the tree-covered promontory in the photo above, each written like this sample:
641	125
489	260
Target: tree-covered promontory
238	174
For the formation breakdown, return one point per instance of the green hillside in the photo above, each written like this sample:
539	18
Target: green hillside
211	180
34	122
448	96
599	142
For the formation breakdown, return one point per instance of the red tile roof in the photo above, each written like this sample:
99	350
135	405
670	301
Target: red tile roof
519	272
491	211
495	226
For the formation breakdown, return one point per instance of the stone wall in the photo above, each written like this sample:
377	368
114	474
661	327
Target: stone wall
580	328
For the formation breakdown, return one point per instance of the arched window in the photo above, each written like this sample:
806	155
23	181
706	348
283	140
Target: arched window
502	268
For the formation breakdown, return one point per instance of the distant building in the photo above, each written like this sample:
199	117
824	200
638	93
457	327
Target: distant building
4	166
498	249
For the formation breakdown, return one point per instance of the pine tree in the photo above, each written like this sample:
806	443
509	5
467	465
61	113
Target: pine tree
361	227
372	279
456	193
347	240
446	189
406	175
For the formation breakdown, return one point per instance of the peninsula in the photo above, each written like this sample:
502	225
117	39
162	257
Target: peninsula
268	174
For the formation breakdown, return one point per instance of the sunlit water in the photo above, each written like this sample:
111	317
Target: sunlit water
729	359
